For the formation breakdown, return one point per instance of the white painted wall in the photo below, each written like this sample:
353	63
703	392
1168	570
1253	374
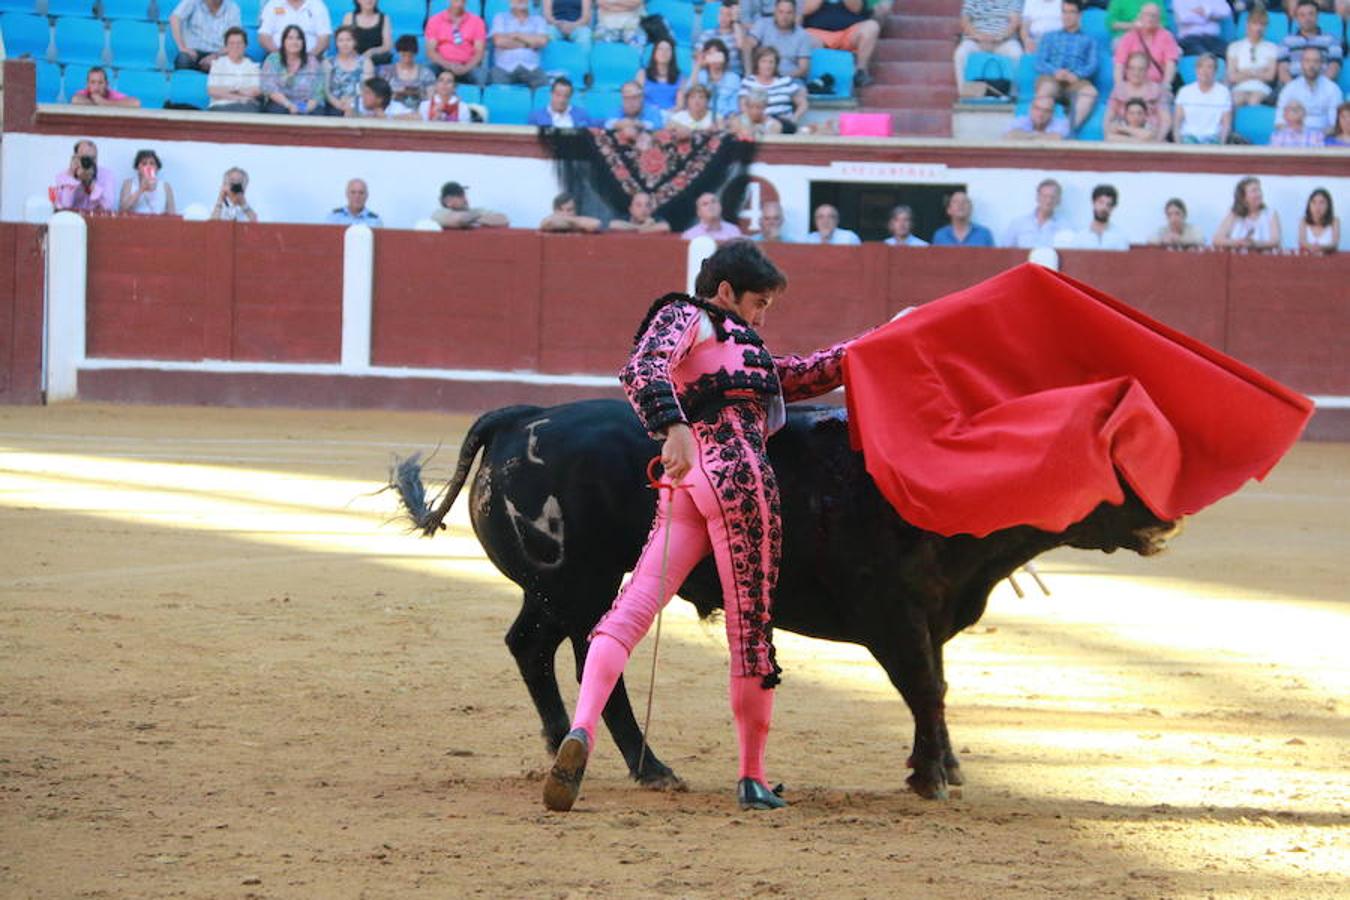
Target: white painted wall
302	184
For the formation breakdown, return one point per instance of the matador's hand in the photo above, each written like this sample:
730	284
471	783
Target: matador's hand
679	451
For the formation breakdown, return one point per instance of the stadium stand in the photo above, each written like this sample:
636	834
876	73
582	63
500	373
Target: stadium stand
613	64
134	45
187	86
839	65
48	82
151	88
508	104
566	58
135	10
81	40
1255	123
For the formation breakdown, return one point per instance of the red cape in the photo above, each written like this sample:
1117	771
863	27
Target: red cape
1017	401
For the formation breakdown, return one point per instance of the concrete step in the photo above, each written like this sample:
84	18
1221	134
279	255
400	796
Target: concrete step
923	27
917	122
920	96
912	50
901	73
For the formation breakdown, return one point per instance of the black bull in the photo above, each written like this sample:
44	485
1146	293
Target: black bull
561	505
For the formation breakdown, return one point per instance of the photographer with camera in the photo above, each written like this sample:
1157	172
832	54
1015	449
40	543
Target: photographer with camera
145	194
231	204
82	187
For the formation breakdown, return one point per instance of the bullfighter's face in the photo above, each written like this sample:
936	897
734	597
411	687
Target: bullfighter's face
750	305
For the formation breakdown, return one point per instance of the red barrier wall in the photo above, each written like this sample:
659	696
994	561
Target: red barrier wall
21	314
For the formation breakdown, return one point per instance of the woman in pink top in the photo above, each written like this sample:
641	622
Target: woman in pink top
1148	37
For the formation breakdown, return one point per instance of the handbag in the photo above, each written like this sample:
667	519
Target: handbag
1001	87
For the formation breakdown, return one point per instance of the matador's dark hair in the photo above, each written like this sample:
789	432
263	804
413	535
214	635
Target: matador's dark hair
742	265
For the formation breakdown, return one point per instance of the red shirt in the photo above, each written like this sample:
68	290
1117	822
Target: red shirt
455	41
1162	47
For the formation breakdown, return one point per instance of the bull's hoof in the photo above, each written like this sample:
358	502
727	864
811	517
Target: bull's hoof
954	776
662	781
929	782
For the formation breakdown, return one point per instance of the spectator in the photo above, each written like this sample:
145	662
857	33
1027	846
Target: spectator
231	203
1251	62
1038	227
1204	108
962	232
1100	233
345	73
1122	15
730	33
753	11
444	104
1307	36
560	113
457	40
826	219
374	33
770	222
634	114
641	217
1250	224
902	220
97	93
564	217
710	221
1318	94
569	20
1340	135
1138	86
786	98
355	212
1177	233
754	121
409	80
844	25
990	26
145	194
235	82
1293	131
518	36
292	80
310	16
1066	63
1040	122
81	186
696	115
782	32
377	99
710	71
661	79
1320	230
198	28
619	22
1156	43
1134	126
1039	18
1198	23
455	211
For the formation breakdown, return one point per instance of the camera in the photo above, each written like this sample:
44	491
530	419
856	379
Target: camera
236	187
88	163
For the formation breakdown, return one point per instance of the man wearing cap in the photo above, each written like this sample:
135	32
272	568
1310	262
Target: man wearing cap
355	212
455	211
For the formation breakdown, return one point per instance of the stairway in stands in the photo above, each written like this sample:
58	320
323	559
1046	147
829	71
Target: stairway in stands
912	68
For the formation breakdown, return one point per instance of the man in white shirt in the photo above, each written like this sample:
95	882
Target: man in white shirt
1320	95
1204	113
1038	227
826	219
234	84
231	204
310	15
902	220
710	221
1101	234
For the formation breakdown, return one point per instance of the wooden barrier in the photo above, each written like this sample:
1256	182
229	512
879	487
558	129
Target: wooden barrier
21	279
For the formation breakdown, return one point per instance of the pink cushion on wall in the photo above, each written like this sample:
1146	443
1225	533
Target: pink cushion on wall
854	124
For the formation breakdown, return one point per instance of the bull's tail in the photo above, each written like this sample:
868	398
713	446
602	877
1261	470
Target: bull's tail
406	474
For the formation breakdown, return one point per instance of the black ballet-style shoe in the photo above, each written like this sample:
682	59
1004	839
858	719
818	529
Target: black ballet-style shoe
564	780
752	794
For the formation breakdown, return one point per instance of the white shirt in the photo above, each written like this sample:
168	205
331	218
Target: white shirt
841	237
910	241
683	118
1242	56
1112	238
1204	109
232	76
1320	100
312	17
1042	16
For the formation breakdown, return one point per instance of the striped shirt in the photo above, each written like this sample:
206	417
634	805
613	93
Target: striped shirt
991	16
780	93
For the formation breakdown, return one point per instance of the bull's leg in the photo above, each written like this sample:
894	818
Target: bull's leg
623	727
534	641
950	762
909	658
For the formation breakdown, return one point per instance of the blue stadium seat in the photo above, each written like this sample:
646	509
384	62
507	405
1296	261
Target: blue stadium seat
679	17
1332	24
188	86
508	104
137	10
1105	77
81	40
250	11
986	67
613	64
48	81
135	45
1186	69
83	8
566	58
469	93
838	63
1094	23
151	88
1255	123
492	7
26	35
171	48
18	6
1276	27
1092	128
73	78
711	11
1343	80
601	105
1026	75
255	49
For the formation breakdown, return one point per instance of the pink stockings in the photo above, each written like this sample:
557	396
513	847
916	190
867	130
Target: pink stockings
751	703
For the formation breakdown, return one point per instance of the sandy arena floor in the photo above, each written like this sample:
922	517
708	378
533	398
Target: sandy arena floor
223	673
